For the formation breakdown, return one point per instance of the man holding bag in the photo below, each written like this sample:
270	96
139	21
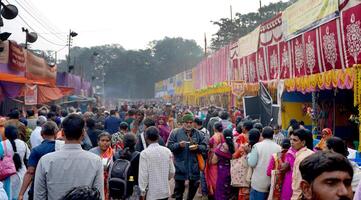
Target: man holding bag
187	144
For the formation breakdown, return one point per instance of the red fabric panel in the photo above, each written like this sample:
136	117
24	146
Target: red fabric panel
261	64
351	28
273	62
330	46
285	60
252	68
298	56
312	65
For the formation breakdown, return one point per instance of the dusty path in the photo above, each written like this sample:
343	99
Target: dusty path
197	197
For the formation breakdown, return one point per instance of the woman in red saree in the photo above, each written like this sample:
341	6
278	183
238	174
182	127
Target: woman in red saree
105	151
211	169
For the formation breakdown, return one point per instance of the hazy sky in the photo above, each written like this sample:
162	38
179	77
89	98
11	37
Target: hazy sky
131	23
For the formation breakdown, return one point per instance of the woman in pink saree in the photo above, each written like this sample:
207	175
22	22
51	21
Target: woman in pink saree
276	164
286	192
211	169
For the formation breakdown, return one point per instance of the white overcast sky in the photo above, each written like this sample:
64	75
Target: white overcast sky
130	23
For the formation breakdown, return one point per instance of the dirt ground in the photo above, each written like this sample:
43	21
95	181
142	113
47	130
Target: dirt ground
197	197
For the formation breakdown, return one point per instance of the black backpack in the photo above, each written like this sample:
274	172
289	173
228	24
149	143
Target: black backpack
119	178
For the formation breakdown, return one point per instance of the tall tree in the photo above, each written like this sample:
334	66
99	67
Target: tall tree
132	73
174	55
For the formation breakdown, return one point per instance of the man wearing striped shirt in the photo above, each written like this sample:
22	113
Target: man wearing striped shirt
155	168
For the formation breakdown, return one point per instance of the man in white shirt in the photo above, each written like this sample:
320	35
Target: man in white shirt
155	168
59	172
35	137
259	159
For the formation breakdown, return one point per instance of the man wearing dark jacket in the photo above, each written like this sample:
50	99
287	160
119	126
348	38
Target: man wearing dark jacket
186	143
111	124
141	142
92	132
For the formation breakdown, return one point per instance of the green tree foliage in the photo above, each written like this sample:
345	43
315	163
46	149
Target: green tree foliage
242	24
174	55
133	73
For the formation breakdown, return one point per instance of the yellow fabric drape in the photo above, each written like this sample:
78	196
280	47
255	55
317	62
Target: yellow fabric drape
327	80
357	95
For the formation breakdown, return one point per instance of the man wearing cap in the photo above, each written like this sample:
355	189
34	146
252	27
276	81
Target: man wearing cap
186	143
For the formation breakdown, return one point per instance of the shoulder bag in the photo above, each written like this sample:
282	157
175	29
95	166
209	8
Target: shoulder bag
7	166
239	172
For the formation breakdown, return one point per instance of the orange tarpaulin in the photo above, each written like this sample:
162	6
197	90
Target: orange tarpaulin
13	78
47	94
19	79
66	90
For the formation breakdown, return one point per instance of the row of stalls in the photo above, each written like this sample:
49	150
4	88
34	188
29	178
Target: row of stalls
27	80
304	63
205	84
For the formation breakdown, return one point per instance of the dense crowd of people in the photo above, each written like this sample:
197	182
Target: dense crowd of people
142	151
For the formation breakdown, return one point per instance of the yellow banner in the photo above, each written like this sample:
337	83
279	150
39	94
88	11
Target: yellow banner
306	14
159	86
241	89
188	87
